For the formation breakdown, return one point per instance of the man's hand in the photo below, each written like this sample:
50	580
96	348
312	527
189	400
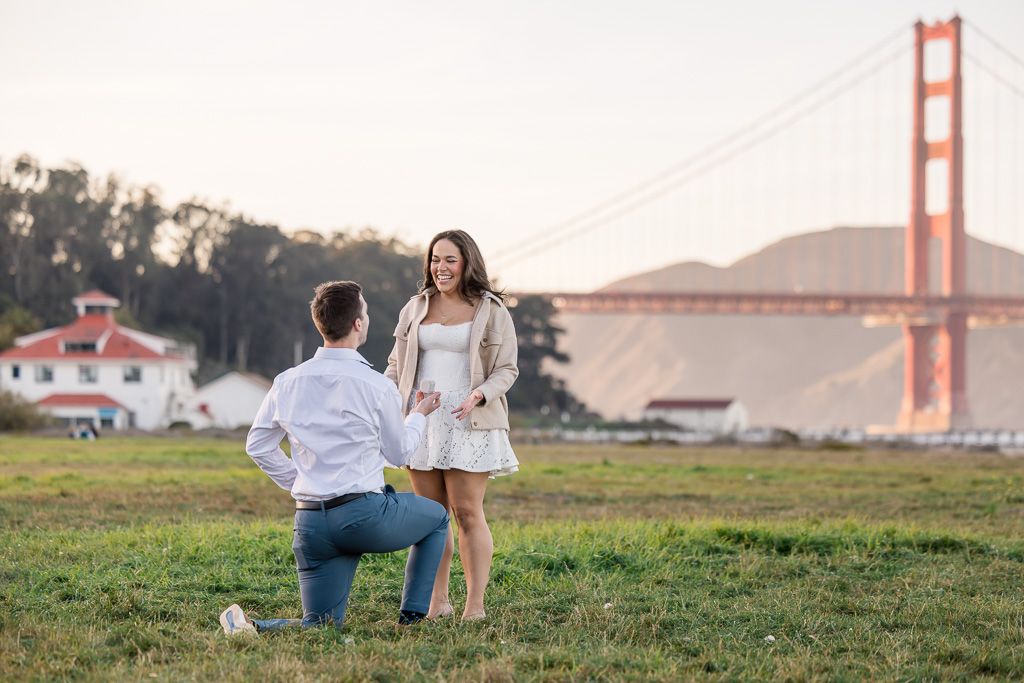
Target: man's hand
425	405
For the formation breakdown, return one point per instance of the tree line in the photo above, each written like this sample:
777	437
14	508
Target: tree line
235	287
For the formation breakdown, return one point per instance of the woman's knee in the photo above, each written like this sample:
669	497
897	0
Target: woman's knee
469	517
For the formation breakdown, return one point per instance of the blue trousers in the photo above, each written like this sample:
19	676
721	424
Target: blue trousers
329	543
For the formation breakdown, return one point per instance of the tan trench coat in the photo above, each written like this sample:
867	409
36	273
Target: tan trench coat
493	356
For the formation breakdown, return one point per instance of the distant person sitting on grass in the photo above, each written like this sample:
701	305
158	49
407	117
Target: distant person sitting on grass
83	430
343	420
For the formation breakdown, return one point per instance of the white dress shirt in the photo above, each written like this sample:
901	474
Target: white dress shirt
342	418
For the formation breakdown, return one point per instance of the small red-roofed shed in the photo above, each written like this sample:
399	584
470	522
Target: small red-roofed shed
713	415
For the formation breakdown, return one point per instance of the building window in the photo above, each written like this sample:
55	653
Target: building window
132	373
44	373
88	374
79	347
107	416
15	371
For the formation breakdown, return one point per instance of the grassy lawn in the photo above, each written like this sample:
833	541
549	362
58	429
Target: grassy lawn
611	563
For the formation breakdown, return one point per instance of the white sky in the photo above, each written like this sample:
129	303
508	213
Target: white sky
501	118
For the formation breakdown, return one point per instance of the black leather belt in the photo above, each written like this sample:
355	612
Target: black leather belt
327	504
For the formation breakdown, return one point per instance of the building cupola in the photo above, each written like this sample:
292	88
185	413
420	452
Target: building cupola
96	302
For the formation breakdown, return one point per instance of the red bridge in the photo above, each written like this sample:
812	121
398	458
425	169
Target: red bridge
935	312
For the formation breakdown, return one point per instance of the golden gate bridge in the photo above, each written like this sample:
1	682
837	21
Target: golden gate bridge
935	307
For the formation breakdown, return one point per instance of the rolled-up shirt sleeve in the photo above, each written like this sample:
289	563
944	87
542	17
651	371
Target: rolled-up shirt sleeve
263	445
399	438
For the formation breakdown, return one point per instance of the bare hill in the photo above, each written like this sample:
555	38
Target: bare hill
793	371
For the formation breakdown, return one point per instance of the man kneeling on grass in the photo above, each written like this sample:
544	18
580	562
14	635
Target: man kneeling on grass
343	420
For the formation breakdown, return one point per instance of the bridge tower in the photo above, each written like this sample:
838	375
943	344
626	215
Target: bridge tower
934	385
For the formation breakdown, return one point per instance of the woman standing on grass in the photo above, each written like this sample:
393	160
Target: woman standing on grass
457	333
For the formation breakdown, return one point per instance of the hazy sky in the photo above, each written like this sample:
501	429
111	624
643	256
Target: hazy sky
501	118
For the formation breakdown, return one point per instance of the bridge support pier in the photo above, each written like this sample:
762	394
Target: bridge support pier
934	380
935	356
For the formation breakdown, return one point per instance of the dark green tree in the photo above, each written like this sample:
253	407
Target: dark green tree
15	321
244	266
18	182
536	391
131	217
185	302
65	243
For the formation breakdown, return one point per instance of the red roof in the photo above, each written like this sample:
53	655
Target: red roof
692	404
88	328
94	294
80	400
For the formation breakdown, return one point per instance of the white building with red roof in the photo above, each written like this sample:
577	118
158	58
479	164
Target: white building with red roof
97	371
715	415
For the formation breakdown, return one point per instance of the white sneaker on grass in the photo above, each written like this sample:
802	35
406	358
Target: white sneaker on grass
234	622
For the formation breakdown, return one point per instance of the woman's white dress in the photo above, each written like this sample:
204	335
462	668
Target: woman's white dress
449	443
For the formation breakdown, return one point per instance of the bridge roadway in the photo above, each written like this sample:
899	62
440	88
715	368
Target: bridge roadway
892	308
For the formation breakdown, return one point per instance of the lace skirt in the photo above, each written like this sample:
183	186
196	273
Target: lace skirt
449	444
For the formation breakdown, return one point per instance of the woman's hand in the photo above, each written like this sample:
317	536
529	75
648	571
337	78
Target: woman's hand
474	398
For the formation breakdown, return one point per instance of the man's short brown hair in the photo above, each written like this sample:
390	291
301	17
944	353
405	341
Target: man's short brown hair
335	308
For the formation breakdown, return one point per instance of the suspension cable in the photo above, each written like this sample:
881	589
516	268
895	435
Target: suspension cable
995	76
551	239
730	139
1020	62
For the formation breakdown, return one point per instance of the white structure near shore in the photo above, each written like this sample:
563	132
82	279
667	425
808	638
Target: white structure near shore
99	372
228	402
714	415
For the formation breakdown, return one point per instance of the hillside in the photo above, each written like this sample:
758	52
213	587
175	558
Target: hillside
792	371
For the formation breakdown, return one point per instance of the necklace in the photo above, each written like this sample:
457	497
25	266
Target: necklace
440	312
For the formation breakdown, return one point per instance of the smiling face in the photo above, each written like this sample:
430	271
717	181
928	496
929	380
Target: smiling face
446	267
453	266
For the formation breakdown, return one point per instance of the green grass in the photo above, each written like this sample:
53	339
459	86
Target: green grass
640	563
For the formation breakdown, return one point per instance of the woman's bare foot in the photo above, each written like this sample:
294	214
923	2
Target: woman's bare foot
443	610
476	616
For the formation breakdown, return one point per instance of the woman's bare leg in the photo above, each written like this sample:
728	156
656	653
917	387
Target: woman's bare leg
465	493
431	484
